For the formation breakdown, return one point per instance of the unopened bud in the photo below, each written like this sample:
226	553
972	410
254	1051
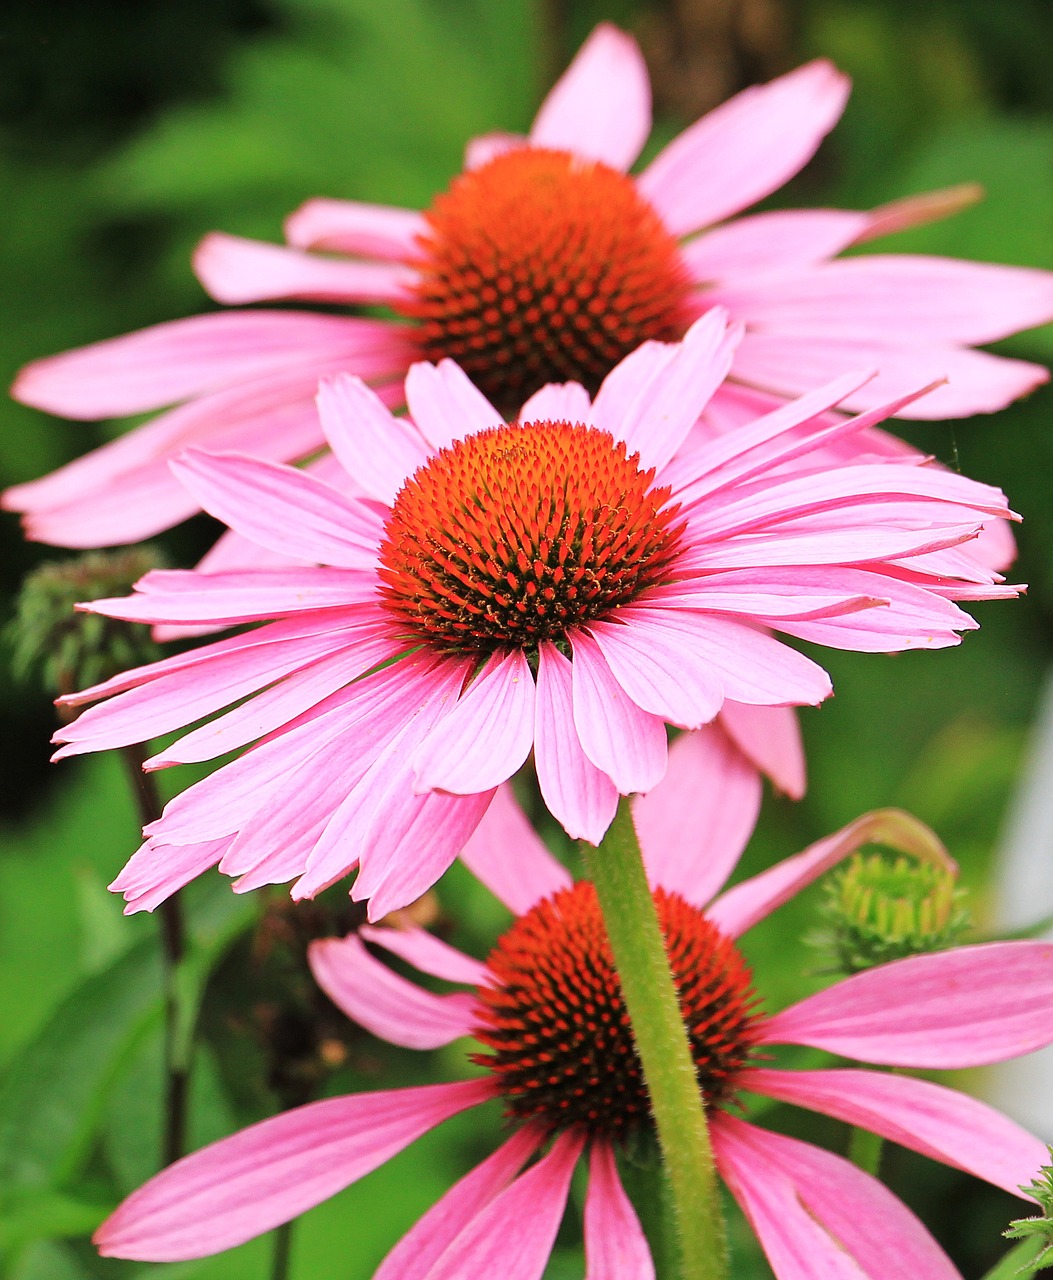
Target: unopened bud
1040	1227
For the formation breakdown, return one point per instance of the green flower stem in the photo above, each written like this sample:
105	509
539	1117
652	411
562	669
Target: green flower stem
864	1150
616	868
173	946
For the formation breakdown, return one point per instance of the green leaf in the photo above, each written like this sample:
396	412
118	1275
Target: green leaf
45	1214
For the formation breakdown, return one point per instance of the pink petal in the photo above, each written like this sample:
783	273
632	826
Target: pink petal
157	870
377	449
488	146
940	1123
234	270
390	1007
507	855
361	230
281	508
917	210
418	1251
428	953
445	405
615	1245
181	358
512	1236
244	1185
766	241
625	742
486	736
770	737
961	1008
695	824
578	794
741	907
558	402
600	107
745	149
818	1216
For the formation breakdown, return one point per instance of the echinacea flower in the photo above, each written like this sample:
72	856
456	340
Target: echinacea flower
566	584
556	1051
543	262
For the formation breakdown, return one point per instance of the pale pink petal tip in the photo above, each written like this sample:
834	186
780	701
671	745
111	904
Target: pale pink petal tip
917	211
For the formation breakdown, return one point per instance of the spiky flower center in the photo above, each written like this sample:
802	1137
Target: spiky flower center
556	1025
512	535
540	266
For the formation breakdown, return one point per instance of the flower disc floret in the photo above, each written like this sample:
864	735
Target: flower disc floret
510	536
557	1027
542	266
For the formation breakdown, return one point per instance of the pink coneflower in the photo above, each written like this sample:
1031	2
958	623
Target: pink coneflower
555	1047
565	585
543	262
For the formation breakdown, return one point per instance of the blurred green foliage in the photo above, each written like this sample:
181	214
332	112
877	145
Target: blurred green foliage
129	131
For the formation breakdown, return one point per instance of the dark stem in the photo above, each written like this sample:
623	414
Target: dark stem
282	1252
173	946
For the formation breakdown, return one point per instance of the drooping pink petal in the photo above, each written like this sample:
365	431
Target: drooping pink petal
781	238
962	1008
512	1235
819	1217
771	738
282	508
234	270
742	906
600	108
428	953
625	742
354	228
445	405
379	450
419	1249
244	1185
484	739
615	1245
156	871
391	1007
558	402
507	855
694	825
745	149
941	1123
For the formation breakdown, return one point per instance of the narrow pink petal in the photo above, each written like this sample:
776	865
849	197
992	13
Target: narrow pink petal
917	210
512	1236
234	270
282	508
615	1245
157	870
481	150
508	856
361	230
695	824
941	1123
390	1007
917	298
578	794
445	405
417	1252
558	402
745	149
374	447
600	107
741	907
180	358
627	743
428	953
770	737
961	1008
486	736
818	1216
242	1186
766	241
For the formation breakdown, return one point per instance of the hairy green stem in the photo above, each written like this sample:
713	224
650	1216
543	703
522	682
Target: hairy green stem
616	868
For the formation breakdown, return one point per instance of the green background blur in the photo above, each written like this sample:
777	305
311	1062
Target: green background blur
130	129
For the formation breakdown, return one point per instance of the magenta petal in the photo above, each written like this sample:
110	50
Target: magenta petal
390	1007
558	402
779	239
360	230
377	449
741	907
600	108
961	1008
507	855
242	1186
819	1217
419	1249
771	738
446	405
941	1123
615	1245
157	870
695	824
512	1236
488	146
426	952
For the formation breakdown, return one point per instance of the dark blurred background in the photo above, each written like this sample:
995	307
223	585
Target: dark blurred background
129	129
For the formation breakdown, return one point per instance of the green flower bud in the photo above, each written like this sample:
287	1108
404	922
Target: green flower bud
1040	1227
